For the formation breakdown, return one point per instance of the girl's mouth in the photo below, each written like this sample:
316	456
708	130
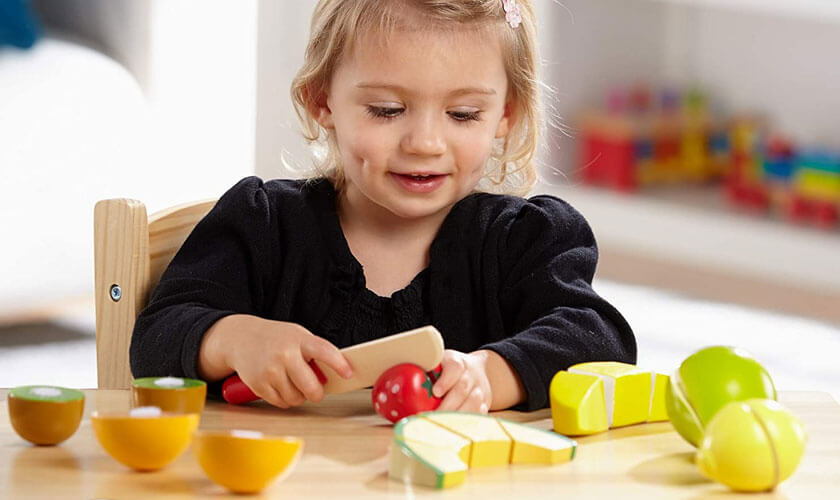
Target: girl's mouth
419	183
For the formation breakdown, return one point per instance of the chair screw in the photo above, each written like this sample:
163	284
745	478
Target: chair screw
116	293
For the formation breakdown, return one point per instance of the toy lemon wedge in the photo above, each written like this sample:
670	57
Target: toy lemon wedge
245	461
536	446
144	438
45	415
427	454
592	397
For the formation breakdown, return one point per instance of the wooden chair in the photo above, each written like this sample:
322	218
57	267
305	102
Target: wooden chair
131	252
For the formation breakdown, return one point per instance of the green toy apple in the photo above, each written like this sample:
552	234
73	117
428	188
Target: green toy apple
709	379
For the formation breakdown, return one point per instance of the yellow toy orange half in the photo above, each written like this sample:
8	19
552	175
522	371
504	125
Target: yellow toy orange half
245	461
144	440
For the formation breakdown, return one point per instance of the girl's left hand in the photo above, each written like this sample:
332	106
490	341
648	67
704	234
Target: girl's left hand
464	382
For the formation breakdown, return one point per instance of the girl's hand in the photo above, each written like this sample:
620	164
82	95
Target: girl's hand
464	382
272	357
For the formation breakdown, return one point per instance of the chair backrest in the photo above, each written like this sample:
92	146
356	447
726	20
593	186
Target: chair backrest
131	251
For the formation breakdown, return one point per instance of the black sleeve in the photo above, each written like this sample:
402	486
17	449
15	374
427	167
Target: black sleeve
219	270
547	263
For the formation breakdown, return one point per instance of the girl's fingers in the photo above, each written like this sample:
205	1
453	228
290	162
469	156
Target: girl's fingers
271	396
452	368
456	396
287	390
325	352
305	380
475	402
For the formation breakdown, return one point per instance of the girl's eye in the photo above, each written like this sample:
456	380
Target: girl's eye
387	113
465	116
381	112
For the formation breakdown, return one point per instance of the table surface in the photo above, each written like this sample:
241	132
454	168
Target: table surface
346	455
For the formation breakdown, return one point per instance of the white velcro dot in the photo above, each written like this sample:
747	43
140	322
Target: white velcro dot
246	434
395	389
46	392
382	397
145	411
169	382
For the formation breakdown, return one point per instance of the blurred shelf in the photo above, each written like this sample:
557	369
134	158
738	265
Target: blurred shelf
693	227
818	10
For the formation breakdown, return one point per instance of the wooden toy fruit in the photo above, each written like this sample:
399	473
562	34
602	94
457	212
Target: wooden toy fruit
596	396
172	394
245	461
404	390
709	379
45	415
144	438
751	445
436	449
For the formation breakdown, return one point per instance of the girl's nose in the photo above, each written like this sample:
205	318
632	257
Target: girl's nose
424	136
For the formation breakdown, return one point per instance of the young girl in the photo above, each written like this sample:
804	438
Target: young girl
423	105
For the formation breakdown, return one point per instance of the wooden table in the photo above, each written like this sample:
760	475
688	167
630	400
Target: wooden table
346	451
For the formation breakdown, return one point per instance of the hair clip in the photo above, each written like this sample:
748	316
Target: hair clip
512	15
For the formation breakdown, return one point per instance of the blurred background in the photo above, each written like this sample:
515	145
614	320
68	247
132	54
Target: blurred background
699	137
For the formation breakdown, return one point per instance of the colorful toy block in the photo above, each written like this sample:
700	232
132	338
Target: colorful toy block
634	143
815	188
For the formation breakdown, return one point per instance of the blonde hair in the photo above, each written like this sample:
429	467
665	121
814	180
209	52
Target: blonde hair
338	24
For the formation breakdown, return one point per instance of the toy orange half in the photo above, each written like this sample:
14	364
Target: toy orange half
144	438
180	395
45	415
245	461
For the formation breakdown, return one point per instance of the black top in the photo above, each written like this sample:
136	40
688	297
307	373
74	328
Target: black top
505	273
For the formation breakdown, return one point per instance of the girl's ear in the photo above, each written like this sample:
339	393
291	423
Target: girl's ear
507	120
319	108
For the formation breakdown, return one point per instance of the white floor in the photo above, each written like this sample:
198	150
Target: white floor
800	354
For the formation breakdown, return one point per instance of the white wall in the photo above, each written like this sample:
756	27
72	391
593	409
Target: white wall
785	66
202	90
283	34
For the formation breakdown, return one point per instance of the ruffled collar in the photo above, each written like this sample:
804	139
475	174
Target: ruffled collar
347	263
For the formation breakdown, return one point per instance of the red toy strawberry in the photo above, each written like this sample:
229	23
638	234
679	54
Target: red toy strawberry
404	390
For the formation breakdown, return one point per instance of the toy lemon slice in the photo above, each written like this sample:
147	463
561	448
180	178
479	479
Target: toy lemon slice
45	415
245	461
144	438
593	397
436	449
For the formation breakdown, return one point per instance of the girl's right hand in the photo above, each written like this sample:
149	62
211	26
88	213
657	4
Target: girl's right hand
272	357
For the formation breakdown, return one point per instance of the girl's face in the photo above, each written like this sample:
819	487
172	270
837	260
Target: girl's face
415	120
